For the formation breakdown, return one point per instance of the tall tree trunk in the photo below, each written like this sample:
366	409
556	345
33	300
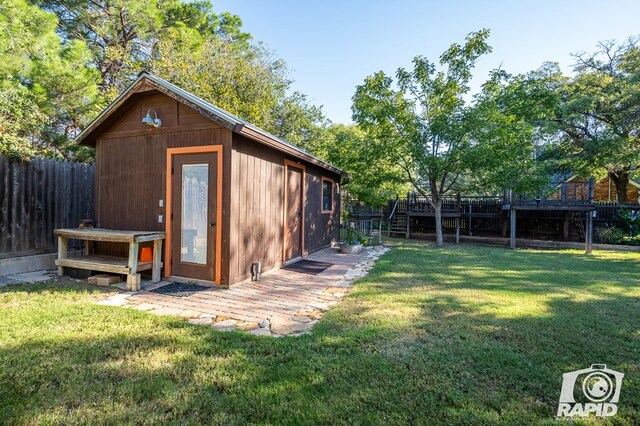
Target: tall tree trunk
437	205
621	181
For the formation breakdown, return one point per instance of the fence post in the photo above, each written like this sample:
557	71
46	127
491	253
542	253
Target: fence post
512	242
589	233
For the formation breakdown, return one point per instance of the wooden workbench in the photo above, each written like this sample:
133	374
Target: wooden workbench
129	266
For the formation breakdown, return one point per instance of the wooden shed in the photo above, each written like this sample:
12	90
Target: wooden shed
227	193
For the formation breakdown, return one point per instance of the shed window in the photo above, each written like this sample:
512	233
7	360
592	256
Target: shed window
327	195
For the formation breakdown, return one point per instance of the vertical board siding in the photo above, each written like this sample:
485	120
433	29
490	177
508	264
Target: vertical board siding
39	196
257	206
131	167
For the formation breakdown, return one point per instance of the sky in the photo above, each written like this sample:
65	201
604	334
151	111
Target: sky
331	46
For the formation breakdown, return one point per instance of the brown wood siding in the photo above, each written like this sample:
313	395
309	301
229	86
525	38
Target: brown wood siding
257	206
130	180
131	163
321	229
605	190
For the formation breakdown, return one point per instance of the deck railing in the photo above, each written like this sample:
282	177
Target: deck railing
565	193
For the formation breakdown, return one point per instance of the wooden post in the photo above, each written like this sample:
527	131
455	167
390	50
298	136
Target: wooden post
589	233
87	247
457	230
408	224
157	261
469	219
565	226
592	189
63	243
133	278
513	229
564	192
589	230
505	223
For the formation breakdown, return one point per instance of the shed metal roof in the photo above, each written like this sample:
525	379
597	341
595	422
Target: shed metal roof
221	116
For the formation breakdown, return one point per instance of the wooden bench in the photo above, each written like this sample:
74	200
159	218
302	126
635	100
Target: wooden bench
129	266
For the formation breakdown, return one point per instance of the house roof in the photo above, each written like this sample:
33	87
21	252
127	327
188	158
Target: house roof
220	116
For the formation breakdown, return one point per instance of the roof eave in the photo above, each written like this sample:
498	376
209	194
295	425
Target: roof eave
273	142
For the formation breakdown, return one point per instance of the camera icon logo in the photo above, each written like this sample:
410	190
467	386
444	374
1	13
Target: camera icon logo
600	392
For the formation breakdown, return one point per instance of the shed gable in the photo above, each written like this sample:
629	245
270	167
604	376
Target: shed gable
174	116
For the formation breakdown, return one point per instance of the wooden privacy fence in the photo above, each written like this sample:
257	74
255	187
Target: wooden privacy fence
39	196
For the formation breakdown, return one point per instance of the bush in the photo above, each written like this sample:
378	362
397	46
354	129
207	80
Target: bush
610	235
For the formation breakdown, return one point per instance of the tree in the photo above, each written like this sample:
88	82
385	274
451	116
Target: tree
599	114
122	34
40	81
191	46
511	130
372	182
422	126
245	79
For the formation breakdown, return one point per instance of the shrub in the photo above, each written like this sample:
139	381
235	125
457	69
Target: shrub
610	235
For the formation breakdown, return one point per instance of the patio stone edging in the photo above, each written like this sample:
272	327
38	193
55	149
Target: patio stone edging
334	288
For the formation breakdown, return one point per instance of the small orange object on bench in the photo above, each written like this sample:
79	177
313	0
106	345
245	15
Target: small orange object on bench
146	255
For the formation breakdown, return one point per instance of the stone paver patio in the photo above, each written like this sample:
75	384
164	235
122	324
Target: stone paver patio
282	303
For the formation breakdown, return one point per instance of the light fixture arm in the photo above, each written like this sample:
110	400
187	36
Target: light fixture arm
155	122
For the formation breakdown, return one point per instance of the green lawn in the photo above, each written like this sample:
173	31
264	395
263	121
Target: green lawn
462	335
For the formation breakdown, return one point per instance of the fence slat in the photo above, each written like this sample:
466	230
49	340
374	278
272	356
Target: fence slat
38	196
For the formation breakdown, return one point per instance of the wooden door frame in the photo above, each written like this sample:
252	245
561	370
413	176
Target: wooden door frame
205	149
288	163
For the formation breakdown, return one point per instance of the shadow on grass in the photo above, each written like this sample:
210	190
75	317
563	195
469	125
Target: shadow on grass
435	346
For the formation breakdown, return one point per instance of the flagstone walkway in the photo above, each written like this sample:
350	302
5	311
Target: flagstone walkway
282	303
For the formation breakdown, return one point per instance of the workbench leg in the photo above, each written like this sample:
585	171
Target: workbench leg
133	278
63	243
157	261
87	247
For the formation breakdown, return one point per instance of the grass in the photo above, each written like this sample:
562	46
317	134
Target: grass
461	335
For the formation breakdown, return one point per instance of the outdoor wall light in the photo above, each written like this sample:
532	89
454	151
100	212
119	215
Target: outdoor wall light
155	122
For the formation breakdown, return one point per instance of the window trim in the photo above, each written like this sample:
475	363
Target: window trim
326	179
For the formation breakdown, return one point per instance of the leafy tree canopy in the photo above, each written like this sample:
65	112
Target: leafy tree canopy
45	86
598	114
420	122
61	62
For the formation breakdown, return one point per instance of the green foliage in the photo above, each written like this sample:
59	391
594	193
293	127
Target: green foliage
610	235
243	80
629	221
420	123
509	131
67	69
373	179
46	87
598	114
20	118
